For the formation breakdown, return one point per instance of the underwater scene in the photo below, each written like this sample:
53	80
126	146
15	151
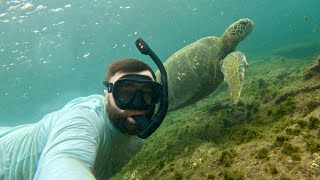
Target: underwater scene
243	103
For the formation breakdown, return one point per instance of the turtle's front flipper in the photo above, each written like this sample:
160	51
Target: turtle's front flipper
233	70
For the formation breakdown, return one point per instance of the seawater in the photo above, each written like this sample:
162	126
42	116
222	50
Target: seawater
54	51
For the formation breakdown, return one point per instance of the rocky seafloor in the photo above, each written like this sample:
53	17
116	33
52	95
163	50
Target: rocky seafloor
273	132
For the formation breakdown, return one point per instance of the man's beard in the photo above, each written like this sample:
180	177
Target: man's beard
121	122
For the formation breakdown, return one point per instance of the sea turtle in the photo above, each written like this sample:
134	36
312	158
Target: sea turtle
198	69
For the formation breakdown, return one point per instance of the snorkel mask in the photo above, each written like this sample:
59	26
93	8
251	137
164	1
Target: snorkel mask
136	92
139	92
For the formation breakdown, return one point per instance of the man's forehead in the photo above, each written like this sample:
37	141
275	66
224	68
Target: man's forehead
118	75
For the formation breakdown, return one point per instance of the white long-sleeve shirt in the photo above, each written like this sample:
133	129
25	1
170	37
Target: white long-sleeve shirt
76	142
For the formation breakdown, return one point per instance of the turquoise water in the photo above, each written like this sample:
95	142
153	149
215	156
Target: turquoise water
54	51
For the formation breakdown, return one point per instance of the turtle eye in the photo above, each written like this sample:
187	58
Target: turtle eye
244	23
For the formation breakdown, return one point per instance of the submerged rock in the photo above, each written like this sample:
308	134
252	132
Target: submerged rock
313	69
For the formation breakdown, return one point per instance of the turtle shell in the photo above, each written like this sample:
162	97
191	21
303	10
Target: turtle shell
194	72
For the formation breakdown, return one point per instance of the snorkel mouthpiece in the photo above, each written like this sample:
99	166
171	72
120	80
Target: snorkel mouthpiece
146	126
142	123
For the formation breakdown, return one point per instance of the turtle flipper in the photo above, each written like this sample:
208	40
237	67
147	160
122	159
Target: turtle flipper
233	70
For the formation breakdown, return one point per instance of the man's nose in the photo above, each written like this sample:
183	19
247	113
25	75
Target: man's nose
138	99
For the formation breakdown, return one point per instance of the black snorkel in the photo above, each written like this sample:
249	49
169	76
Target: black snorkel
148	126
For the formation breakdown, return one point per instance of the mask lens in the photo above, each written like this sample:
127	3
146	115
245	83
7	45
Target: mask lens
125	90
150	93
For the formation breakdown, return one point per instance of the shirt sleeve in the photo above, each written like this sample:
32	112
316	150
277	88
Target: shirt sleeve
71	147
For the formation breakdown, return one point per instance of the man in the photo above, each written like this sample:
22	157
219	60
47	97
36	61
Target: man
90	137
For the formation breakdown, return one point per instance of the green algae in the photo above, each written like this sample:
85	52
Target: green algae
285	108
284	178
226	157
262	153
302	123
280	140
313	122
313	145
289	149
273	169
233	175
293	130
244	135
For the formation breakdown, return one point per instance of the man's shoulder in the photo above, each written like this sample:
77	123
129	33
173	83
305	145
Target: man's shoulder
80	112
95	102
90	107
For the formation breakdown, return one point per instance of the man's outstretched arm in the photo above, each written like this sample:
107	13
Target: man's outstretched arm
64	168
71	148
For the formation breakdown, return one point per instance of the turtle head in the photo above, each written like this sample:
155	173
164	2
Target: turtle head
237	32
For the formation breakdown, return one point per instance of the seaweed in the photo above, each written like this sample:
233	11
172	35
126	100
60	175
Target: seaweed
313	145
294	92
289	149
177	176
311	105
262	153
313	122
313	69
217	106
261	83
284	178
279	141
211	176
233	175
293	130
296	156
292	151
244	135
273	169
302	123
286	107
226	157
